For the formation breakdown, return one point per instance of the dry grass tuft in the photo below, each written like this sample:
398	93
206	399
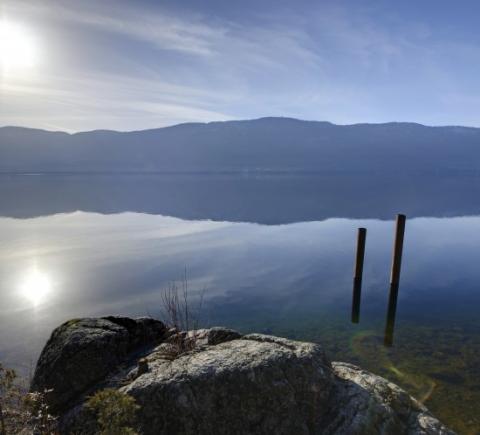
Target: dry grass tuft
179	315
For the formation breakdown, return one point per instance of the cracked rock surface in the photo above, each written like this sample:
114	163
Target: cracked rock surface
224	383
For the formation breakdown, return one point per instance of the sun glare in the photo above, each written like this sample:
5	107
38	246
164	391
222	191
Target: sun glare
36	287
17	47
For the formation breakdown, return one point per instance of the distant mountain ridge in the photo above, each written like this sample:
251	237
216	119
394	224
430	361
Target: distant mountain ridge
265	144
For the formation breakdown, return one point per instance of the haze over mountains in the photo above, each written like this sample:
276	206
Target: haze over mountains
266	144
269	170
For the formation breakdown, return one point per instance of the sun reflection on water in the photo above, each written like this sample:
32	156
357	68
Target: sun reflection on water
36	287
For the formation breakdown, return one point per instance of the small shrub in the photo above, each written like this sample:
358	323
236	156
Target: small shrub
40	419
21	411
7	396
115	411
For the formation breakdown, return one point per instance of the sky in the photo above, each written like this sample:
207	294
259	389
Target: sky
129	65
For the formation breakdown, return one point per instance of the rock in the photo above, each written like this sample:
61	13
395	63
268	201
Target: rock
233	384
248	385
82	352
221	335
142	366
368	404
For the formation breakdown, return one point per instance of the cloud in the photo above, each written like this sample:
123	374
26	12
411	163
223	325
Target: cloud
163	30
146	64
117	102
225	57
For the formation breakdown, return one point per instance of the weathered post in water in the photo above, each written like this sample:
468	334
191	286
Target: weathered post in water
395	278
358	273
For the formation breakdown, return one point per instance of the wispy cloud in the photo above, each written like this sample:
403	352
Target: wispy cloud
162	30
155	65
111	101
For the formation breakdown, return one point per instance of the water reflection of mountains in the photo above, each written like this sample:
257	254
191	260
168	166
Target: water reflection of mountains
261	198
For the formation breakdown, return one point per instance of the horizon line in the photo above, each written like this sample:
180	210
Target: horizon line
286	118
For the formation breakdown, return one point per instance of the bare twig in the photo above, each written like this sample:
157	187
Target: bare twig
185	299
179	316
23	411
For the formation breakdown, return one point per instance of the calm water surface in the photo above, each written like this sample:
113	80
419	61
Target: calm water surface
290	279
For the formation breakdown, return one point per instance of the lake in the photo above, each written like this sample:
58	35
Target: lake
271	254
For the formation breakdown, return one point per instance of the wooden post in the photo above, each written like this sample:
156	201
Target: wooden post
358	273
395	279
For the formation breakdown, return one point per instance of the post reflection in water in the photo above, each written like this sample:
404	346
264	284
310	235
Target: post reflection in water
358	273
390	323
395	279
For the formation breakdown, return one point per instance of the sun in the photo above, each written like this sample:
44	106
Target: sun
36	287
17	47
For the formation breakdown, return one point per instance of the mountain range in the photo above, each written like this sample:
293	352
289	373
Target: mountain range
265	144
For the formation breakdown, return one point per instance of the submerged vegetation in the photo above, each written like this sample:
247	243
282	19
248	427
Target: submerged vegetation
426	361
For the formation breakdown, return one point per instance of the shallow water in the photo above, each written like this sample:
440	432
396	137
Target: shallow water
289	279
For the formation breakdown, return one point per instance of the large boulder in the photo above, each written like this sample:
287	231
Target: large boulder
254	384
82	352
218	382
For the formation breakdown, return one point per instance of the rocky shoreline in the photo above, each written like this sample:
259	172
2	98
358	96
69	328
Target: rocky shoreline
216	381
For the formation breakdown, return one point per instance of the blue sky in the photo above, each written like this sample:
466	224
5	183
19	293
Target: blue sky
130	65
